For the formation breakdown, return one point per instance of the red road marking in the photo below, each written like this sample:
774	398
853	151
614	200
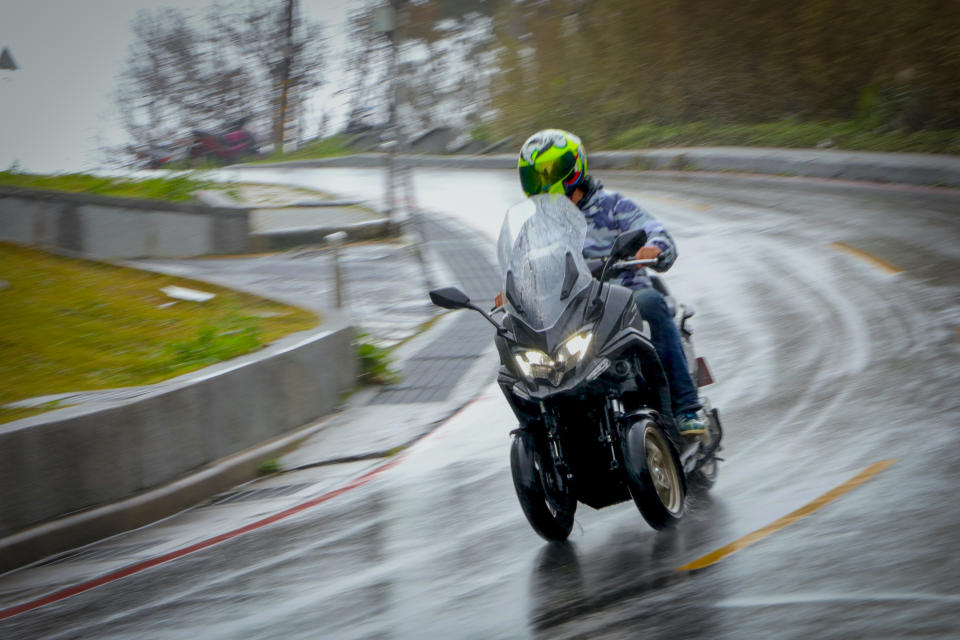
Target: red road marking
179	553
203	544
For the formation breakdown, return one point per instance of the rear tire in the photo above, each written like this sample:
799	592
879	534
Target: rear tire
654	475
551	521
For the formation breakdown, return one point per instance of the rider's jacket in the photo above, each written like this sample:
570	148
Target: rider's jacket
609	214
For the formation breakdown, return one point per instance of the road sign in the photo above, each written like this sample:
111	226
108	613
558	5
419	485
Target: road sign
6	60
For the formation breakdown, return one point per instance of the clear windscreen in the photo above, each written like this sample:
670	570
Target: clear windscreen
540	250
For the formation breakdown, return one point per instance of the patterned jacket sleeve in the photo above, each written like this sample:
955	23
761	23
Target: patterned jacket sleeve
629	215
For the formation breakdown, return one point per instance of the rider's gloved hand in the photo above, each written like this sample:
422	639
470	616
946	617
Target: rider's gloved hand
647	253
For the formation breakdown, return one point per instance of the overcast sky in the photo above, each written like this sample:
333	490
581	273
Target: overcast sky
56	108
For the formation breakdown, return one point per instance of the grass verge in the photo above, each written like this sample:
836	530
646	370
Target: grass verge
375	363
336	145
174	188
852	135
845	134
74	325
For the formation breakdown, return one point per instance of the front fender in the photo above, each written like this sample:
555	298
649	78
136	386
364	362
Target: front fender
522	452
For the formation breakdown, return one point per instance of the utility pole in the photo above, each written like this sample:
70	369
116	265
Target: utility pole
385	22
287	49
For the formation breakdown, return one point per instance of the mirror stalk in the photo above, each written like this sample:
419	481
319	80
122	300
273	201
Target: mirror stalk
499	327
453	298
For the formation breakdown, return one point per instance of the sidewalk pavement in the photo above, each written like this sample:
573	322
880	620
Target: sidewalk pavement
386	289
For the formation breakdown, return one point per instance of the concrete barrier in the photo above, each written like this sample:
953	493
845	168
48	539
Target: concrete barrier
107	227
436	140
905	168
81	458
283	239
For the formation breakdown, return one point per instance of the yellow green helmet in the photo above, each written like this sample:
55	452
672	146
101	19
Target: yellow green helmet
551	161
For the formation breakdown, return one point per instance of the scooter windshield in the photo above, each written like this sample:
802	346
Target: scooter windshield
540	250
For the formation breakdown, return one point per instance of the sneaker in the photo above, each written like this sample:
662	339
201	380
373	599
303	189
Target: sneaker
690	424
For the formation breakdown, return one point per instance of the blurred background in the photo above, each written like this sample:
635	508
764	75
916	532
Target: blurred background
829	311
101	82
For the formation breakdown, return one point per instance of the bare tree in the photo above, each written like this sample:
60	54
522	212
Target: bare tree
366	63
286	50
183	75
445	64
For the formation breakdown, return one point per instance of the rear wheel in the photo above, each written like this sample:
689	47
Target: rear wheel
653	474
552	519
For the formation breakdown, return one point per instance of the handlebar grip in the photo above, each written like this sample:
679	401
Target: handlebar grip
649	262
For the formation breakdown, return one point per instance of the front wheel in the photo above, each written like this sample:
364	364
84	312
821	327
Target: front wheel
550	520
653	474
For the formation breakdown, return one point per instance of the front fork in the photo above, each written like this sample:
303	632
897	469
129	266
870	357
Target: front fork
558	477
611	417
607	436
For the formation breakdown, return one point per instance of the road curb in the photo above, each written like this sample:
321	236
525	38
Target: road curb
76	530
63	472
99	226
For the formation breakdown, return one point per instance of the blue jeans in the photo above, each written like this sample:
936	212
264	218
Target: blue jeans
665	337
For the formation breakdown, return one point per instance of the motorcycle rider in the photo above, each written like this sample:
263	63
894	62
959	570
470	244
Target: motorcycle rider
554	161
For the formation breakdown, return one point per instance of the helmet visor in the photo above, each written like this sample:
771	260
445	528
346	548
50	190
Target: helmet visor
543	174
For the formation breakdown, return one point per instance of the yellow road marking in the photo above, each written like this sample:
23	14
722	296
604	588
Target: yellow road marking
879	263
788	519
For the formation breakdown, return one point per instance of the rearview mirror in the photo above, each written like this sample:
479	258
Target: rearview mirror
450	298
628	243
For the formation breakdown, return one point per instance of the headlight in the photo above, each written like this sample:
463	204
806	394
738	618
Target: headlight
573	350
534	364
538	365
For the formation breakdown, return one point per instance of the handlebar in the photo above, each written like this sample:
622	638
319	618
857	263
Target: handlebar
648	262
596	264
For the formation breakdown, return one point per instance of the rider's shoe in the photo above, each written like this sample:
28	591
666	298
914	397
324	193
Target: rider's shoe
690	424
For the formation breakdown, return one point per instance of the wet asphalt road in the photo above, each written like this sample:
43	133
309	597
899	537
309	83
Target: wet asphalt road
827	362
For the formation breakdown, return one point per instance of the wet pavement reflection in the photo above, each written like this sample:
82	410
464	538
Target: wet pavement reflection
825	366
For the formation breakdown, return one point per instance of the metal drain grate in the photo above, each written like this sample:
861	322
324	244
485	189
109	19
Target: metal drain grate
427	380
478	276
263	493
433	373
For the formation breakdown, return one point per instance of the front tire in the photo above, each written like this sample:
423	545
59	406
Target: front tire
551	521
654	475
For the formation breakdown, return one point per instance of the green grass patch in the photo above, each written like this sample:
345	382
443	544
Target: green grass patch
850	135
375	363
71	325
336	145
175	188
269	467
